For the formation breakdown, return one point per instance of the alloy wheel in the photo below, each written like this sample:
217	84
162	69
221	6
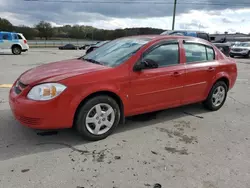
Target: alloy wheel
218	96
100	119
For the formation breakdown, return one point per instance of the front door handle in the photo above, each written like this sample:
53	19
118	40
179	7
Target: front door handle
211	69
175	74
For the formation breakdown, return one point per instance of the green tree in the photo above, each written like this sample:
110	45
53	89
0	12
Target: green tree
45	29
28	32
5	25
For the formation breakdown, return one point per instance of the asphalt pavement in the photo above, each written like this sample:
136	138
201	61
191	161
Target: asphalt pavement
186	147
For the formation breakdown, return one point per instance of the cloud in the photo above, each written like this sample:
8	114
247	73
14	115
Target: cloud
57	12
194	24
194	15
226	20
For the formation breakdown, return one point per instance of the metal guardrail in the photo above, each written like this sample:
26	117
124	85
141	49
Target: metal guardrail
56	43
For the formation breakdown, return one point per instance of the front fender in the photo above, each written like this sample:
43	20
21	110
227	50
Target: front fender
77	99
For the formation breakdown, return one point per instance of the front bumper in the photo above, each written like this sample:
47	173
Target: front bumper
39	114
238	53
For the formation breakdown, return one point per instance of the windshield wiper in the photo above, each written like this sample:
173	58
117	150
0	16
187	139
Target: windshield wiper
93	61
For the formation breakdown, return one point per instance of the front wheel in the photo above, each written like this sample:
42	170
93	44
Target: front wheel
216	97
98	118
248	55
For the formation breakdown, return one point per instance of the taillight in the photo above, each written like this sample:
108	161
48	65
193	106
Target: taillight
25	41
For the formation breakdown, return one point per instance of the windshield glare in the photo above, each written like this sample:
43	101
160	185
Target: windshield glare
101	43
245	44
117	51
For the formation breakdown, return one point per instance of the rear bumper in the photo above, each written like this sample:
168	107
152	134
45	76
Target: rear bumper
25	47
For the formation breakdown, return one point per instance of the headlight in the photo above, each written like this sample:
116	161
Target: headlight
46	91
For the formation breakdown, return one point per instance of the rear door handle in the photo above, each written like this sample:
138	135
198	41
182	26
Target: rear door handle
211	69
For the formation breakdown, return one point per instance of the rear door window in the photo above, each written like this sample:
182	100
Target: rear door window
210	54
198	53
15	36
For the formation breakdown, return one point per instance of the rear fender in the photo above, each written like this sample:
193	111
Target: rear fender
217	77
16	44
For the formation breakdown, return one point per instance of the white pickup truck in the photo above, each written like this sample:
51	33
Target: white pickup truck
14	41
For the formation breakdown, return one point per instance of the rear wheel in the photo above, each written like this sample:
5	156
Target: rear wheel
16	50
217	96
98	118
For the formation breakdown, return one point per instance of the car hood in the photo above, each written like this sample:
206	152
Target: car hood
56	71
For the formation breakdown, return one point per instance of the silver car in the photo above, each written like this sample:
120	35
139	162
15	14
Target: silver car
241	49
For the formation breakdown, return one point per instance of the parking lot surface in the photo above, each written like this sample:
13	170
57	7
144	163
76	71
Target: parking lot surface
185	147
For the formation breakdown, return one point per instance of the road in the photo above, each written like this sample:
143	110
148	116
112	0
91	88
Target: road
185	147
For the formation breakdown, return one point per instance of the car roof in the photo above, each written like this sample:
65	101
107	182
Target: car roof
169	37
8	32
195	31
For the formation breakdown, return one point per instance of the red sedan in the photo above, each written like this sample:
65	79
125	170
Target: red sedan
125	77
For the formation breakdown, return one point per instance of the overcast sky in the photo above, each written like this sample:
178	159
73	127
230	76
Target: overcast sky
208	15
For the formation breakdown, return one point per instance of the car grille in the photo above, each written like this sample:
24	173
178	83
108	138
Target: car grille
237	50
29	120
19	87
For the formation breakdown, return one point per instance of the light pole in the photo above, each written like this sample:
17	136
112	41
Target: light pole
173	23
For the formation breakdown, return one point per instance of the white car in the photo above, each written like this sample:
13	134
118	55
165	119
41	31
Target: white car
241	49
14	41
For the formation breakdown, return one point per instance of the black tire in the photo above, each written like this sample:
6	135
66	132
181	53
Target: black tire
232	56
80	122
16	50
208	103
248	55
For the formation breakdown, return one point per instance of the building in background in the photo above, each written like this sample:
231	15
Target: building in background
230	37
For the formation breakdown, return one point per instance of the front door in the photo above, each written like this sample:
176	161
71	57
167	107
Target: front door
158	88
200	70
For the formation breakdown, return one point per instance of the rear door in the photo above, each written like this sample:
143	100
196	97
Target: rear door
200	70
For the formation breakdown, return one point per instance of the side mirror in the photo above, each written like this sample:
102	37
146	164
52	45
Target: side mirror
146	64
139	67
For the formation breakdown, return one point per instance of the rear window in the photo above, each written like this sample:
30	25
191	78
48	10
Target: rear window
198	53
20	37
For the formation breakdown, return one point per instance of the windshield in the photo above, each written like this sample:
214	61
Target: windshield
244	44
116	52
101	43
